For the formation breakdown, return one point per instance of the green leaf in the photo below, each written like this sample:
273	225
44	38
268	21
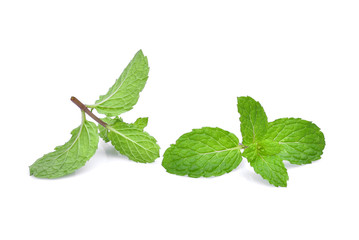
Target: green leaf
133	142
70	156
203	152
141	123
253	120
124	94
302	141
263	158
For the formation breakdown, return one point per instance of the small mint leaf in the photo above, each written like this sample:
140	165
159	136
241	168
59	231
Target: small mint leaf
141	123
270	167
253	120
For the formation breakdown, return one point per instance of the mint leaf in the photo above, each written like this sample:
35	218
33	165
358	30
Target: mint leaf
203	152
302	141
70	156
253	120
133	142
124	94
141	123
265	161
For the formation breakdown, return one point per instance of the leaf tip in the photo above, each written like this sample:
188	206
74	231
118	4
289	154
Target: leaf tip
140	52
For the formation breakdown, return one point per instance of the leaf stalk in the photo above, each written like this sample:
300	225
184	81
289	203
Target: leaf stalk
87	111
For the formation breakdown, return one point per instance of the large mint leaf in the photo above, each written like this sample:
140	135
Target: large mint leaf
70	156
263	157
253	120
124	94
133	142
203	152
302	141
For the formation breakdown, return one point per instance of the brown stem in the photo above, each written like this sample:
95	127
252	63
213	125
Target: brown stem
87	111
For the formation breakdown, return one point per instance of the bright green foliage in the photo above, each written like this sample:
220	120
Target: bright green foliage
141	123
302	141
70	156
263	158
129	139
253	120
124	94
203	152
133	142
262	153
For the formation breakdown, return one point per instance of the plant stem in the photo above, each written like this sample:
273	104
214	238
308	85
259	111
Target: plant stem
87	111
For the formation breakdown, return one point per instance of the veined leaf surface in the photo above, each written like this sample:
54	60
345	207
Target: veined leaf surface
124	94
263	157
302	141
203	152
253	119
70	156
133	142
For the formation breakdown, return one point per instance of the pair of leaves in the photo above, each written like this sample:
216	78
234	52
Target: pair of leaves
129	139
213	151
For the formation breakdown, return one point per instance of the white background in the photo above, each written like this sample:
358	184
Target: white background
297	58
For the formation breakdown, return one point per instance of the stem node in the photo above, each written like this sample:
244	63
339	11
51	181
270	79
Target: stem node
87	111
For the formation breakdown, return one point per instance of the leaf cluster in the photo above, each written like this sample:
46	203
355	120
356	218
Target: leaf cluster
129	139
210	151
204	152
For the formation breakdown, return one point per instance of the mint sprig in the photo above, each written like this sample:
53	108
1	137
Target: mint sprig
129	139
210	152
